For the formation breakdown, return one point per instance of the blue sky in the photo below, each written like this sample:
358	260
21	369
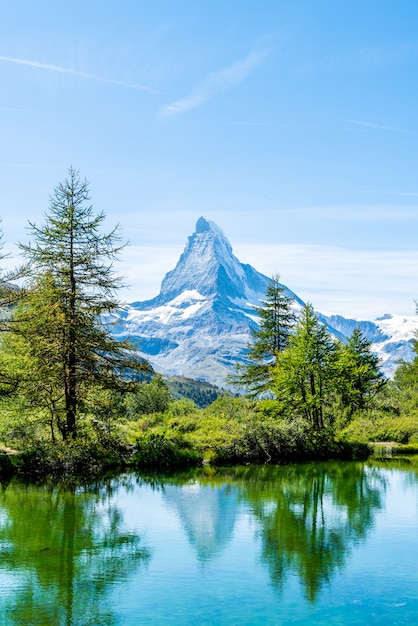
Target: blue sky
291	124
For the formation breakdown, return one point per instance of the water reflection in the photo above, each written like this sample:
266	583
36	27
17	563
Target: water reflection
308	516
409	463
207	515
61	549
67	558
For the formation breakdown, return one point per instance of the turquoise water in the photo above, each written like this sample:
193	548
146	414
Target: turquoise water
324	543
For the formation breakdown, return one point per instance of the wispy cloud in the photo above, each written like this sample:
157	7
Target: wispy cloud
347	281
217	81
66	70
393	129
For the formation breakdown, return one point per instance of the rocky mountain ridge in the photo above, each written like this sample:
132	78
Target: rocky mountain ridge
200	323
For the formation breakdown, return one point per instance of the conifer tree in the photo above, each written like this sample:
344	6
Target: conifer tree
406	376
70	295
9	296
360	374
268	340
306	373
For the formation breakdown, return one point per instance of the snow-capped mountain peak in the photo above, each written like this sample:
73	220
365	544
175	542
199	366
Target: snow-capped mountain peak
200	324
209	266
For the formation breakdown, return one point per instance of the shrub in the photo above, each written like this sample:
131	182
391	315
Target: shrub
75	458
184	406
365	428
6	465
156	450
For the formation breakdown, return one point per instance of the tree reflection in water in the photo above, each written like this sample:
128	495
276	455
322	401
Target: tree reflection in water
310	516
62	549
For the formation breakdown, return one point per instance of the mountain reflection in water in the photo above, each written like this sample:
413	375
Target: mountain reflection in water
314	543
308	516
207	515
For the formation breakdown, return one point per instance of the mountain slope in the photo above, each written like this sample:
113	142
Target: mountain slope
392	336
199	325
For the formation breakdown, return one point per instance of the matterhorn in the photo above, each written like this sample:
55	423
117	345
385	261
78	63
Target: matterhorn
199	325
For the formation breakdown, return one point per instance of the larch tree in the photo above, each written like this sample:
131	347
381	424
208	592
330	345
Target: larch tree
306	375
64	321
277	320
361	377
406	378
9	297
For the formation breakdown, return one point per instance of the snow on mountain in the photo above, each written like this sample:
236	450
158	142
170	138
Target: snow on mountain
199	325
399	332
391	336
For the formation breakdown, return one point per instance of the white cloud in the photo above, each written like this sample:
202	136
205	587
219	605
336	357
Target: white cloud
217	81
67	70
144	267
394	129
357	283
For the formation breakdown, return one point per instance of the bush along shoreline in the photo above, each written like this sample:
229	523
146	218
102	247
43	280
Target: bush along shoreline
156	452
230	431
122	432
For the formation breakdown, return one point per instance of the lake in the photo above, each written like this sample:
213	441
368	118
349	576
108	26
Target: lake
318	543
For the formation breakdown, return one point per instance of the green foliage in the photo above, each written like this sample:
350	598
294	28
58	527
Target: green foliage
228	431
20	423
152	397
385	419
156	450
407	448
406	385
62	344
9	296
182	407
361	378
306	373
82	457
372	427
322	380
270	339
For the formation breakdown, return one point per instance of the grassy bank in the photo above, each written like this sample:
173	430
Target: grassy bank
135	433
230	430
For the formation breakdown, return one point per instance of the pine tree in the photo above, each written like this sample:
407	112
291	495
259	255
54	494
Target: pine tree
360	374
268	340
9	296
306	373
406	377
64	319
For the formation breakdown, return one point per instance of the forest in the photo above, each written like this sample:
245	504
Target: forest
73	398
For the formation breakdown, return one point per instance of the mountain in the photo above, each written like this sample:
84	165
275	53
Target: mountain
392	336
199	325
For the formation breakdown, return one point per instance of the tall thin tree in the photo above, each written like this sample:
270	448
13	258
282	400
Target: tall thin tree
276	321
71	270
